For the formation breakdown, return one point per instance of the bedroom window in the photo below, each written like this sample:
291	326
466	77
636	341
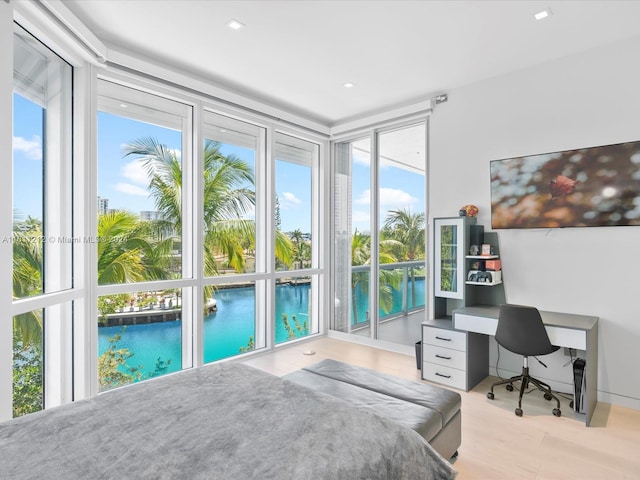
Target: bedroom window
233	245
42	239
142	207
402	232
296	215
380	225
296	161
352	223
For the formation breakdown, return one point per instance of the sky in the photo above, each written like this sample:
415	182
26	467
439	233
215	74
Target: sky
400	189
124	181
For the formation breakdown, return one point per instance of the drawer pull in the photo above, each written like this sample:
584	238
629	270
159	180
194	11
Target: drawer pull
443	357
442	338
441	375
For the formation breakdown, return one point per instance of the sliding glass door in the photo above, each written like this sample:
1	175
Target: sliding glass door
380	234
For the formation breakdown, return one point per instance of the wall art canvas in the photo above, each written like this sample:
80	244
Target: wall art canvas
596	186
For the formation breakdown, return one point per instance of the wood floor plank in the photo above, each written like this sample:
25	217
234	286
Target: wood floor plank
496	444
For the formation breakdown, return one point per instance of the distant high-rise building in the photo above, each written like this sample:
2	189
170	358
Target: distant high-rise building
103	206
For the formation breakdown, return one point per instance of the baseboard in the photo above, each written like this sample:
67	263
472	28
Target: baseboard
619	400
370	342
606	397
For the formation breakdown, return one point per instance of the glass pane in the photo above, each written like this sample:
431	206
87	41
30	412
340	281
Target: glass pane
353	236
230	151
295	163
404	290
140	200
293	313
139	336
401	200
449	258
28	363
230	321
42	194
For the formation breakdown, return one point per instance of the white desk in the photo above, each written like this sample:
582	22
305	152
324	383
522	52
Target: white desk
564	329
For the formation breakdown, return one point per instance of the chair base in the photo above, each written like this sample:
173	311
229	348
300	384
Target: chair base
525	379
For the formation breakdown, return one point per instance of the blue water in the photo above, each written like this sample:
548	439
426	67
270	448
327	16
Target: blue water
229	329
362	302
225	331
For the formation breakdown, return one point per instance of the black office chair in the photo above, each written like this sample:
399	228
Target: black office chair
520	330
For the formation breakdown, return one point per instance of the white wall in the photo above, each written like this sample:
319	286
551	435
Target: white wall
579	101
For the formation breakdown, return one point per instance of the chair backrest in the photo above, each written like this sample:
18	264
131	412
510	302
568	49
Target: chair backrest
520	330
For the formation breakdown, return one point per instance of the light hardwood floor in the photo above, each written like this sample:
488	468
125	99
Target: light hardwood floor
495	443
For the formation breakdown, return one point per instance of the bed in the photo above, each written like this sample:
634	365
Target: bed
222	421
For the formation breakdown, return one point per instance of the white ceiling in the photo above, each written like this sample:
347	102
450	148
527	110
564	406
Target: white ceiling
297	55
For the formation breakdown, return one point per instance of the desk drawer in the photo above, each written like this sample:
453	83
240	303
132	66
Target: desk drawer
567	337
445	338
446	375
473	323
445	356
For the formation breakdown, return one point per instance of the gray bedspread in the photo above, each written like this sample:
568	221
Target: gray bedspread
225	421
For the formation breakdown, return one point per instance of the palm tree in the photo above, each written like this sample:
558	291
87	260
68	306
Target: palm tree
361	255
27	280
228	197
127	252
301	250
409	230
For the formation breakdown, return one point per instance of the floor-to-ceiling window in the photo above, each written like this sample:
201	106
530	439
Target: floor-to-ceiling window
295	237
379	213
233	171
143	162
42	239
185	232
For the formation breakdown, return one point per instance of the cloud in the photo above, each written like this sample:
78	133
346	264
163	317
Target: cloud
131	189
135	172
390	199
289	200
360	216
32	149
364	198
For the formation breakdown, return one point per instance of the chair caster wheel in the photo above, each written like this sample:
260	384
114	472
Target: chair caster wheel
557	412
547	396
518	412
490	395
509	387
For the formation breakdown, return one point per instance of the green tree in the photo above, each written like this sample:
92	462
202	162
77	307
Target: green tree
228	198
128	251
27	280
301	249
27	327
361	255
113	368
409	231
27	376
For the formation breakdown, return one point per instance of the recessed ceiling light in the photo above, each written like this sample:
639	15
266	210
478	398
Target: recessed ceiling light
349	85
543	14
123	105
235	24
